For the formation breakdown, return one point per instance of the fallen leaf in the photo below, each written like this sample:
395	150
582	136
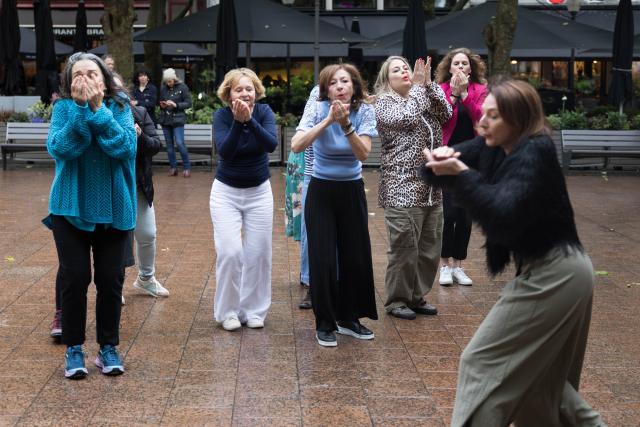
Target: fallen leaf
9	258
164	249
366	190
372	214
602	273
604	176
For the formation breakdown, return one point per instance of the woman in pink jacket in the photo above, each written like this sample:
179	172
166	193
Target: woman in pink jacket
461	77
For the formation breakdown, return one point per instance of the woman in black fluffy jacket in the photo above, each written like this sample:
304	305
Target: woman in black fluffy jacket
523	364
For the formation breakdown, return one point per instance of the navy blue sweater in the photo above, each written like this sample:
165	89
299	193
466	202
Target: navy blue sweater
243	147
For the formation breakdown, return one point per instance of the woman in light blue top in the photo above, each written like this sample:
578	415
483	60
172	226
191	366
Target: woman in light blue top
92	205
340	127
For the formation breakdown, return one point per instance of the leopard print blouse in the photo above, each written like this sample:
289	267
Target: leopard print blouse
406	127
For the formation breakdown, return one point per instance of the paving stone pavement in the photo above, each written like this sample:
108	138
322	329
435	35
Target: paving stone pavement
184	369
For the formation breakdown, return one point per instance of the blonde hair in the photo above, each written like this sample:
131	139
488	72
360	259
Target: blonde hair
232	78
382	82
478	68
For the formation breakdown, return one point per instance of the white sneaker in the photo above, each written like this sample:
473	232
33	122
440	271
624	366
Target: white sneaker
254	323
231	323
151	286
122	301
461	277
445	276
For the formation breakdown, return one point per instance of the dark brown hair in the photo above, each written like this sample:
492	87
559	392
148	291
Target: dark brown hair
359	88
478	68
520	107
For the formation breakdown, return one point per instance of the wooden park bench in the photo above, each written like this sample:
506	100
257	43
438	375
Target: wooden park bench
23	137
604	144
28	137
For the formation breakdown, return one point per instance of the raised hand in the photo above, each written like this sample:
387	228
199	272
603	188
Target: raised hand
241	111
427	72
419	72
340	113
95	93
444	161
78	90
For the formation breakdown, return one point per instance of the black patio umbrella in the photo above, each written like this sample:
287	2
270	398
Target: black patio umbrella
621	89
537	35
47	80
80	40
13	82
227	36
414	41
355	53
264	21
174	52
28	45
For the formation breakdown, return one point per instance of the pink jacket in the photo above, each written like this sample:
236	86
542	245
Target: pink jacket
476	94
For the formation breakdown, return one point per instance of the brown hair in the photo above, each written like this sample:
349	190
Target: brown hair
232	78
359	87
520	107
478	68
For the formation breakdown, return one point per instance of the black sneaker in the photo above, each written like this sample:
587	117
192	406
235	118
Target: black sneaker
305	303
326	338
426	309
355	329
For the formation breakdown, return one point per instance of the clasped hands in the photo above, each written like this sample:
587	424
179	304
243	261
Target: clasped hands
459	83
338	113
241	111
444	161
422	72
84	89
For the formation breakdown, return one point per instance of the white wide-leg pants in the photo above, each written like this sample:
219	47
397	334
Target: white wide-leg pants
242	226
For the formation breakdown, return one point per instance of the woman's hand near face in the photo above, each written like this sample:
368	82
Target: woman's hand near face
241	111
78	90
340	113
95	93
427	72
419	75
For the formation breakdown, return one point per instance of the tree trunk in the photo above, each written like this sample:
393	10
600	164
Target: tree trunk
117	23
429	9
498	36
153	51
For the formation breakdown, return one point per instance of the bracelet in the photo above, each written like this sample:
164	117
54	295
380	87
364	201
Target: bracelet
346	127
456	96
351	130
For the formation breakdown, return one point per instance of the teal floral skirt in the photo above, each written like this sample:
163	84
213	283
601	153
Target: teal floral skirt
293	194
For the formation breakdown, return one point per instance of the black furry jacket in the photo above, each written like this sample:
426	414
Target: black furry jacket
519	200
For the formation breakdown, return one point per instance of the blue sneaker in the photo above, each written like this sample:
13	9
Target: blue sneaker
74	363
108	360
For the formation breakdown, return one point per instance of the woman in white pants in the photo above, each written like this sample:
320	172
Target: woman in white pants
242	202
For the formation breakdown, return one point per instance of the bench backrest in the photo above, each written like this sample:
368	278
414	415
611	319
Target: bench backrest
33	132
573	139
194	135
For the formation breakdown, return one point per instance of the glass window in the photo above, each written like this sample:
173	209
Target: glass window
354	4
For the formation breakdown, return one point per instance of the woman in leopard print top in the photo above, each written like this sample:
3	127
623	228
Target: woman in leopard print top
410	111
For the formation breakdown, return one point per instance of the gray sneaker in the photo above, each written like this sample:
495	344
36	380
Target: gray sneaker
151	286
403	312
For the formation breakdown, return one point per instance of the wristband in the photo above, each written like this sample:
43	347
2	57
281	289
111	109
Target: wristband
346	127
351	130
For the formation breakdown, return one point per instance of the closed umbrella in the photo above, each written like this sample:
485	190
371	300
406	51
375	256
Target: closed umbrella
80	40
355	53
227	40
621	89
414	41
13	82
46	62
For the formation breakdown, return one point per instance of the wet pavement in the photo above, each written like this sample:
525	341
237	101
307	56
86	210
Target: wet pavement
183	368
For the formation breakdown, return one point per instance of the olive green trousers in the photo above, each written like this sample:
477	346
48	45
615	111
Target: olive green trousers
523	364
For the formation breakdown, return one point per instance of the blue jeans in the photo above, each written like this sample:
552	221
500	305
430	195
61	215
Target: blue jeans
304	247
176	134
145	234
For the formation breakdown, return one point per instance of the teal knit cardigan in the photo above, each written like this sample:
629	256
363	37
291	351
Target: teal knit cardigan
95	154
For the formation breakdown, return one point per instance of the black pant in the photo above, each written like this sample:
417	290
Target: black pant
74	248
336	218
456	229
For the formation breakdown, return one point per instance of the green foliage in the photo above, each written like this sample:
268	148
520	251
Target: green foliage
288	120
613	120
204	105
18	117
203	116
300	87
634	122
568	120
586	87
40	112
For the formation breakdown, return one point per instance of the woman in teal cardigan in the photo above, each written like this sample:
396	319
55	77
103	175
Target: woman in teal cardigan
92	204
